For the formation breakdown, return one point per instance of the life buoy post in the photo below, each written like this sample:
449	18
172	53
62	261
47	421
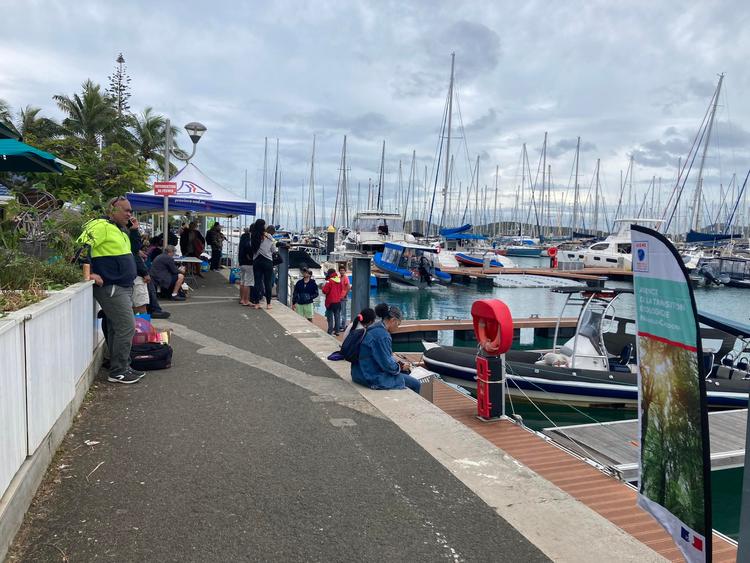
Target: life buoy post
493	328
552	253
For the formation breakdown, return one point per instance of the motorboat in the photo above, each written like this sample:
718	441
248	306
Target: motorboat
597	365
411	264
614	251
372	229
459	247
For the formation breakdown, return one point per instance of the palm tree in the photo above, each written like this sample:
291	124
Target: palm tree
29	122
90	114
5	113
148	130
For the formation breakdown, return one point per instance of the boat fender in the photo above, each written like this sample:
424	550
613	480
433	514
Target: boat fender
493	326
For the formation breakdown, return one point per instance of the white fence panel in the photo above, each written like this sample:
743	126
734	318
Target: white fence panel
12	401
81	305
50	366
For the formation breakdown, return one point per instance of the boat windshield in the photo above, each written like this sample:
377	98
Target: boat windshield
590	327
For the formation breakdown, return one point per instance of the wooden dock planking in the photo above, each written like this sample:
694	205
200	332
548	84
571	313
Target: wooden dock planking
612	499
615	444
586	274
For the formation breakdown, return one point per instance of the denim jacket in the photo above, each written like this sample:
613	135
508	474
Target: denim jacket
376	367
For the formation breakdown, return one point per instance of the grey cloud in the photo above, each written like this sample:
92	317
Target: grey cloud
477	49
365	125
565	145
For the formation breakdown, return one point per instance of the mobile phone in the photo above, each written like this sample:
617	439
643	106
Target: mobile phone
130	223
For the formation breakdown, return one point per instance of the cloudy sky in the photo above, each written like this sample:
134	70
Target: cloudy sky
629	78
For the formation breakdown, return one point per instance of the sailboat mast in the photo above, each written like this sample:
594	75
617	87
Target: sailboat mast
310	215
263	209
275	184
575	188
494	207
596	200
448	139
381	179
695	222
410	190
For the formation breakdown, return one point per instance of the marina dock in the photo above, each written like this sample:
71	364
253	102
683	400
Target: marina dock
613	499
614	445
483	276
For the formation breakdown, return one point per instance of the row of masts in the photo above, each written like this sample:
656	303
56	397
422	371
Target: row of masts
540	207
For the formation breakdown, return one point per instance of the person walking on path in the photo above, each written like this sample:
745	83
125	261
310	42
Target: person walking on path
345	287
305	292
245	260
113	271
262	246
333	291
376	368
215	238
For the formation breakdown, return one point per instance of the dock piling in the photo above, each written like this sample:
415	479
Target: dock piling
283	287
360	284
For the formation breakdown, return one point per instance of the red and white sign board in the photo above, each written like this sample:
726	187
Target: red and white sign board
165	188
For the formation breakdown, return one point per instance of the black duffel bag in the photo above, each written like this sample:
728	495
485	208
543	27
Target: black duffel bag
151	356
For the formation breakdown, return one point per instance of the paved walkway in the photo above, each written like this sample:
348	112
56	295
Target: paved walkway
250	448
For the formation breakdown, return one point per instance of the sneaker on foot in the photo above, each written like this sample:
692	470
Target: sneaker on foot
124	377
186	287
160	314
135	372
178	298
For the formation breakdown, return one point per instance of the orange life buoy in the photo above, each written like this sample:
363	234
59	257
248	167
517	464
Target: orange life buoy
552	251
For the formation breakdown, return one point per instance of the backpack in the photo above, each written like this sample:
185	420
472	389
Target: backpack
151	356
351	344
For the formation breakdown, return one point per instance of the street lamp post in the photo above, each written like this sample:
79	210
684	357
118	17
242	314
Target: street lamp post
195	131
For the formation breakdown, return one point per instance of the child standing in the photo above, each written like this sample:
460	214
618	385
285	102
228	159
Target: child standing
305	292
333	291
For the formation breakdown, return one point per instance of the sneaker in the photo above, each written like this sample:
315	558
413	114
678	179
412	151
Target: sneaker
186	287
177	298
125	377
160	314
135	372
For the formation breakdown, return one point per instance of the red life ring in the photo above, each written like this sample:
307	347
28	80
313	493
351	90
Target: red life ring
493	326
552	251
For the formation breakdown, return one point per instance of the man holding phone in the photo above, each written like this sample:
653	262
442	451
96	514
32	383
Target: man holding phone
113	270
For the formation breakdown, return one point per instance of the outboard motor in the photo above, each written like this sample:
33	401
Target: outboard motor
709	275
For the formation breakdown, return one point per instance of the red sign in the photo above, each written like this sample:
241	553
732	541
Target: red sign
165	188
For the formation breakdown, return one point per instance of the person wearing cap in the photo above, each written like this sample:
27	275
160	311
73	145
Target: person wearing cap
305	292
376	367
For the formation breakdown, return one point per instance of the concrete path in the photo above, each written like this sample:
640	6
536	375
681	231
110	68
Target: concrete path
250	448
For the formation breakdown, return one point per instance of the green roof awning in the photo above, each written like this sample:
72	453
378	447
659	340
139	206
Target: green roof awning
16	156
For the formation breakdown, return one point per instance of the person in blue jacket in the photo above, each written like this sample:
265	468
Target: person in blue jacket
376	368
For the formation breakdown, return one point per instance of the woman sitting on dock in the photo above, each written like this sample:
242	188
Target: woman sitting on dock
376	368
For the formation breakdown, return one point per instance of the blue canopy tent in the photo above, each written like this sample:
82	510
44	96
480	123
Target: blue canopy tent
196	193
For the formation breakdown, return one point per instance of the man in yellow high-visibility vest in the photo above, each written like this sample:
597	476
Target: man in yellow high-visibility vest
113	271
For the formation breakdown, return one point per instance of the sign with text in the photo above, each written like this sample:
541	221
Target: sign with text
674	482
165	188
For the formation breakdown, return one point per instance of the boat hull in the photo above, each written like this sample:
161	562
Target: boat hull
545	383
474	261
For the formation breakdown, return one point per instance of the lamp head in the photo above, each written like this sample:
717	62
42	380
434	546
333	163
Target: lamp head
195	130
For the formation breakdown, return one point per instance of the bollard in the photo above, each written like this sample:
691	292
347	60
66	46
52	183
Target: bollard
330	240
282	291
360	284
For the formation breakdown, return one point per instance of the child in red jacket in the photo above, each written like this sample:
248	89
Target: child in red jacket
334	292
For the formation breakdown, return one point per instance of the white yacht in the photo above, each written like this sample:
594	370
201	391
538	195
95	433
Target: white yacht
372	229
614	251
